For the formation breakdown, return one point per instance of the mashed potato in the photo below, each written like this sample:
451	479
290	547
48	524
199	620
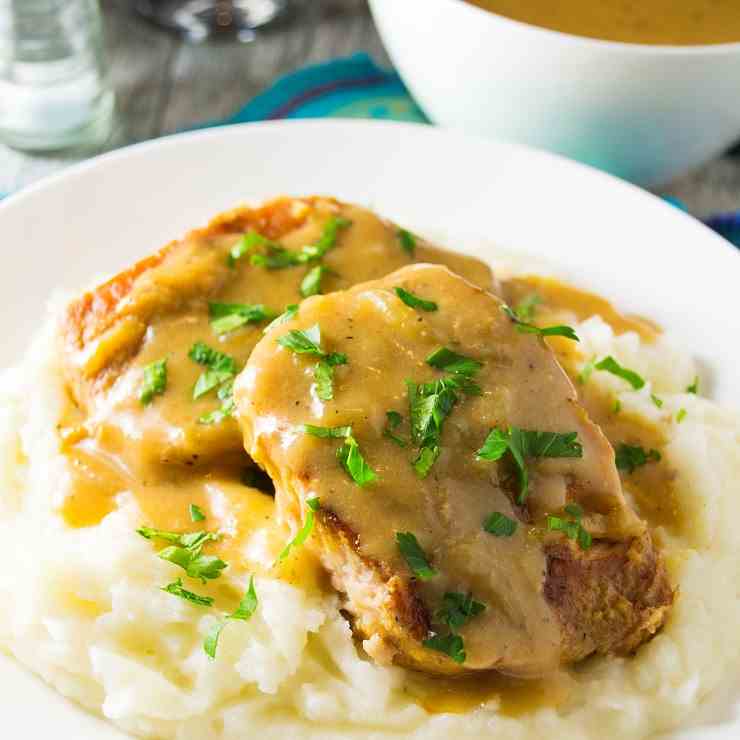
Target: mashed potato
83	607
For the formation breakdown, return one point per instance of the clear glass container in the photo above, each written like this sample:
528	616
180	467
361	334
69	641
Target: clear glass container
54	87
199	20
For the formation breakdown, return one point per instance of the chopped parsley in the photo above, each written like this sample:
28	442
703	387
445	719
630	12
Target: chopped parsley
657	401
291	311
457	609
500	525
523	443
681	415
414	556
327	240
451	645
548	331
612	366
276	257
225	394
393	421
305	531
246	243
617	407
525	309
176	589
155	381
193	562
451	362
246	609
196	513
201	353
694	387
328	432
628	457
220	371
181	539
308	342
586	371
413	300
571	527
311	284
226	317
351	459
407	241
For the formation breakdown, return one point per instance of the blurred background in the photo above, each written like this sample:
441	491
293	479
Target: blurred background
164	82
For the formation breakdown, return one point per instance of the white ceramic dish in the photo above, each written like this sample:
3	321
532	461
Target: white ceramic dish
646	113
605	234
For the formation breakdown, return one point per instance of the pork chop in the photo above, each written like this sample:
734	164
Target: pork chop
466	507
262	259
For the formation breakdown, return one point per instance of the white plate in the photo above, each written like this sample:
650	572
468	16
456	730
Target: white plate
95	218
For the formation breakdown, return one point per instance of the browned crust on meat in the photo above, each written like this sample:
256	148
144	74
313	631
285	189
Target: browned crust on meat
610	598
95	311
381	603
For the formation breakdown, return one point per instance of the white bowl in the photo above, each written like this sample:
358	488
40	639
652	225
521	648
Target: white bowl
645	113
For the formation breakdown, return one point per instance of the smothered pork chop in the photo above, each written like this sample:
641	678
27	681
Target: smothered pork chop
185	319
459	495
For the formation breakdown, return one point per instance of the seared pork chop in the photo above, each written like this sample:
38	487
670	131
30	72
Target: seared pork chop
159	308
463	502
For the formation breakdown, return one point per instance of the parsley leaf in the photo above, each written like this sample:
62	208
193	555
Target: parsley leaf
176	589
500	525
351	459
393	421
155	381
323	374
548	331
451	362
201	353
327	240
196	513
328	432
311	284
183	539
226	317
681	415
407	241
457	609
290	313
524	443
412	300
304	532
572	527
209	380
612	366
628	457
246	609
451	645
525	309
414	556
193	562
657	401
246	243
694	387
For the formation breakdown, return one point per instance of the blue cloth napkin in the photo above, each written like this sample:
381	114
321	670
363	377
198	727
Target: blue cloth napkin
356	87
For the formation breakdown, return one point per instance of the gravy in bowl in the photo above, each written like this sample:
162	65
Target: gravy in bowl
662	22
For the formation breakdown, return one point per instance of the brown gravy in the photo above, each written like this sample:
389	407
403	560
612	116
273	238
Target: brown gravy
99	474
686	22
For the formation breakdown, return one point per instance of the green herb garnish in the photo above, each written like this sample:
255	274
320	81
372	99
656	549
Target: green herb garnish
629	457
176	589
351	459
220	368
617	407
290	312
412	300
327	240
451	362
311	284
657	401
193	562
228	405
586	371
612	366
681	415
196	513
155	381
414	556
500	525
328	432
246	609
394	420
226	317
407	241
304	532
548	331
523	443
571	527
457	609
182	539
246	243
694	387
525	309
451	645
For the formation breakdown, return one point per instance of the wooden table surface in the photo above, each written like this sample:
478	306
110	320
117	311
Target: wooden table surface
164	84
